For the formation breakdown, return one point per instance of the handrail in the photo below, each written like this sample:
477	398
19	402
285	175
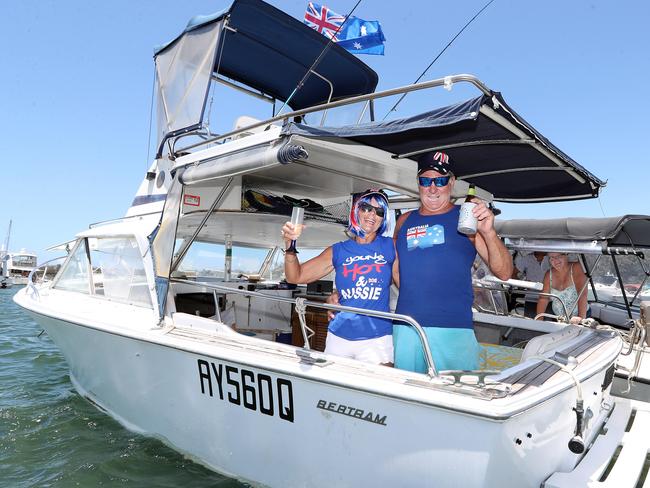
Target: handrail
526	291
431	367
446	81
38	267
30	279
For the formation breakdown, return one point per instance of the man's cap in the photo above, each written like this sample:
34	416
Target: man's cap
436	161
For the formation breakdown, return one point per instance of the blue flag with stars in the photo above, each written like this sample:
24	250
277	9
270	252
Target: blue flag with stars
362	36
357	35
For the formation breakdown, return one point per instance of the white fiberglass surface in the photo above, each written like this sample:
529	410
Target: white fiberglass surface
24	260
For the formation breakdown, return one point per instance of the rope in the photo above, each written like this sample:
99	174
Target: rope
301	308
564	368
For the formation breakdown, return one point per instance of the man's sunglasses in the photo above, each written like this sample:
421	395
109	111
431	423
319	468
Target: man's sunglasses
439	181
366	207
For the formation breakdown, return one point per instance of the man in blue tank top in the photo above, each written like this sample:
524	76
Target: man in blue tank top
435	279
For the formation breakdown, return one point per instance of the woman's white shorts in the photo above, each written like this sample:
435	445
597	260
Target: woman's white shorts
377	351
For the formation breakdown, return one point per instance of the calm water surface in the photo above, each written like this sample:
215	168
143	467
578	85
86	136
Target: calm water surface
50	436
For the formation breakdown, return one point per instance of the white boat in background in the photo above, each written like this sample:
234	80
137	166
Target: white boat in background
5	280
19	265
145	332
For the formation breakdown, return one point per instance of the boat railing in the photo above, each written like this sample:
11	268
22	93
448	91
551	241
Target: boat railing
523	291
447	82
301	303
33	278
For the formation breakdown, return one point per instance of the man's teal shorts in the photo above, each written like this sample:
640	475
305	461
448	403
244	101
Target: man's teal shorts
451	348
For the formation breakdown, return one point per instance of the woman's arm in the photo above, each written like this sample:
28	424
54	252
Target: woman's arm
312	270
542	302
580	279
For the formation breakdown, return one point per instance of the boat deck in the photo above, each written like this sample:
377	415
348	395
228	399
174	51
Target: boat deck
538	374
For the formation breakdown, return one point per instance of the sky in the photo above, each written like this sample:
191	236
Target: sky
76	85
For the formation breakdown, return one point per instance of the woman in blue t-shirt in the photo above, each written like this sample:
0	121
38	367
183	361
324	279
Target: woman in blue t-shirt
364	269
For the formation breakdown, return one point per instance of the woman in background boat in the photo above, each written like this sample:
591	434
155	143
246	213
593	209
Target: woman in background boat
364	266
564	280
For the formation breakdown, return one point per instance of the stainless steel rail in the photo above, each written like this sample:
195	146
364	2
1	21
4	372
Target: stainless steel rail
526	292
30	279
446	81
431	367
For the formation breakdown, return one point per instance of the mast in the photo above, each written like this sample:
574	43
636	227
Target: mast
5	248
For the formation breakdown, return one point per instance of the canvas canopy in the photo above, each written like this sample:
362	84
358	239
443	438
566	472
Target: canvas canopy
488	143
625	231
259	46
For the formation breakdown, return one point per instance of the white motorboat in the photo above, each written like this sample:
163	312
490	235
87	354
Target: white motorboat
19	265
140	316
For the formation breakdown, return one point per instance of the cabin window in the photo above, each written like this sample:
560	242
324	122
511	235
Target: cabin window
118	270
207	260
75	273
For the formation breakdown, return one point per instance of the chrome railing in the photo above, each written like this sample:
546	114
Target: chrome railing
431	367
522	291
33	278
446	82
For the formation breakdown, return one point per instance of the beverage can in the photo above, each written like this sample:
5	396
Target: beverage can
466	220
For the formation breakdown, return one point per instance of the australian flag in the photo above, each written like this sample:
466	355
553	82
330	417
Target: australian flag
356	35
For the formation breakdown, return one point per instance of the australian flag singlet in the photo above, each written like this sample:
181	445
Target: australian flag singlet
435	263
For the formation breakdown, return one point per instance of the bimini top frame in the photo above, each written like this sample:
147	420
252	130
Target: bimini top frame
254	46
491	145
627	234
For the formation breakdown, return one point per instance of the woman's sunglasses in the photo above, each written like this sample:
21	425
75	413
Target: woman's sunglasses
366	207
439	181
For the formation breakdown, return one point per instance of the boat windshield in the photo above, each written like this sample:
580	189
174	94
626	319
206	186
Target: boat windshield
117	271
206	260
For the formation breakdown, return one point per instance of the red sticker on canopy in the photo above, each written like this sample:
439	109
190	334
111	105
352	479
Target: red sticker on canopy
193	200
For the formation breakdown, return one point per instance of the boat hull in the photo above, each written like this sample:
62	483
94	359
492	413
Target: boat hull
281	429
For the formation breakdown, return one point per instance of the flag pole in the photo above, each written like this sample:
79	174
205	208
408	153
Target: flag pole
318	59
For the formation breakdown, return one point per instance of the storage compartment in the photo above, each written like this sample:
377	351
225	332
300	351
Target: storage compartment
197	303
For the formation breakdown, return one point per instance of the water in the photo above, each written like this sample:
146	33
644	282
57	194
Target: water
51	437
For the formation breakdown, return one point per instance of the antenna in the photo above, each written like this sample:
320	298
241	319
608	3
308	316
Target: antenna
394	107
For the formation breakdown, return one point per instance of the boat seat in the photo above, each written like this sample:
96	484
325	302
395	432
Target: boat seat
541	344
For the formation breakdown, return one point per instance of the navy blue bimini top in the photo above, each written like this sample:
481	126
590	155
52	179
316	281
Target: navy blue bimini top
435	270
